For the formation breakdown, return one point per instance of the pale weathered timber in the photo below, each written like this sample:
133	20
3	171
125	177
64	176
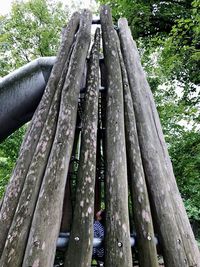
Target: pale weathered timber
41	246
179	246
79	251
15	245
16	183
139	195
19	230
118	248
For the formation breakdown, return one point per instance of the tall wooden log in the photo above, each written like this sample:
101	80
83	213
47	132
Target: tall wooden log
139	195
16	183
118	248
15	245
41	246
79	252
19	230
179	246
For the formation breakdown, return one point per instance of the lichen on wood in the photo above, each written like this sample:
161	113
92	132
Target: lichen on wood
140	200
41	245
79	253
117	239
30	142
178	242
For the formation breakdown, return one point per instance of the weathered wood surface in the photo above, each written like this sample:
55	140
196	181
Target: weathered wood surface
118	249
41	246
79	251
19	230
179	246
16	183
139	195
13	252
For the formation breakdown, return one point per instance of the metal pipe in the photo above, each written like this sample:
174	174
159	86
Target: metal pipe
63	240
20	93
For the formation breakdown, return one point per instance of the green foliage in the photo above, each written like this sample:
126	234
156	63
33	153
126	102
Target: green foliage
181	55
9	150
148	18
168	37
169	28
185	154
31	30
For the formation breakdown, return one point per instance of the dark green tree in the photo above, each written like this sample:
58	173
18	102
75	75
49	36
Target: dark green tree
9	150
185	154
32	29
168	37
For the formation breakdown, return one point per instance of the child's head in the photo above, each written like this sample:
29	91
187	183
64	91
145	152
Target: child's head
100	216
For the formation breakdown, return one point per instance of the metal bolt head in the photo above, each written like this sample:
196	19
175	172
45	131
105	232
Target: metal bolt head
36	243
76	238
119	244
149	237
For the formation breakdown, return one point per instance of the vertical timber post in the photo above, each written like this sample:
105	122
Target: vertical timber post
118	248
46	222
139	195
15	186
79	251
178	242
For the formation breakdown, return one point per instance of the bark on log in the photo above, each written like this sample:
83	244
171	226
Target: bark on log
79	252
179	246
118	248
41	246
139	195
16	183
19	230
15	245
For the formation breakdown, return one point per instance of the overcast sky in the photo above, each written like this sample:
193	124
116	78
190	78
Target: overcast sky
5	5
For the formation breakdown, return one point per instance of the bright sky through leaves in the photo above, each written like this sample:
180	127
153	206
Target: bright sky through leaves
5	5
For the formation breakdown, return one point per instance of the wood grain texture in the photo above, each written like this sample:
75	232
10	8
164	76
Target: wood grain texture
179	246
139	195
117	239
33	134
41	246
79	252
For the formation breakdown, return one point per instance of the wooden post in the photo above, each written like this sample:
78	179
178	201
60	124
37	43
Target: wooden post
41	246
179	246
139	195
118	248
27	151
19	230
79	252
